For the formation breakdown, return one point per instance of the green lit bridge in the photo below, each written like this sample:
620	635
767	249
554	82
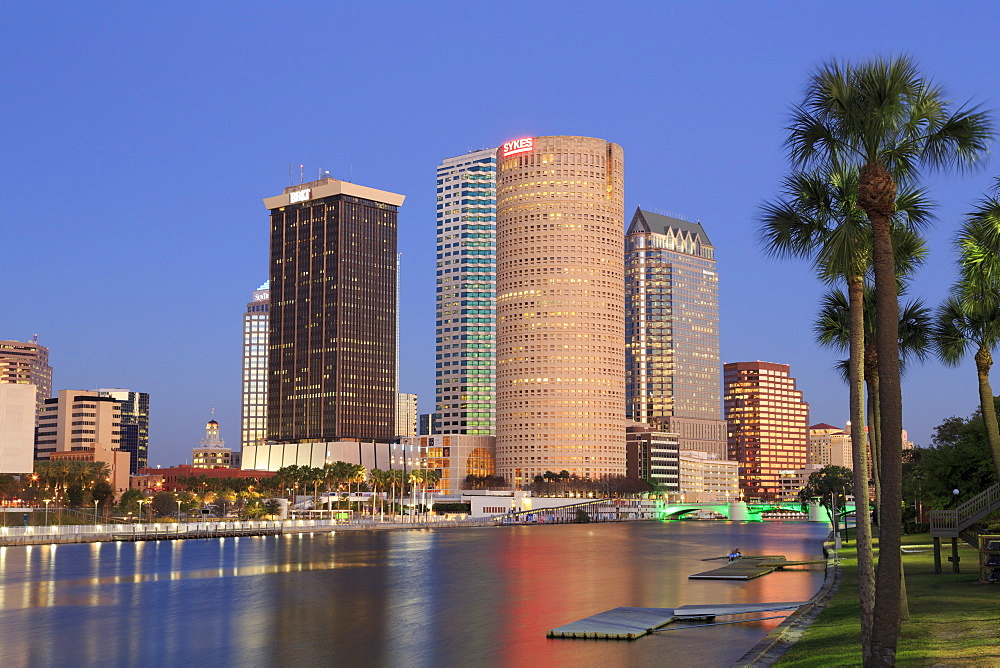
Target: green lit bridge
753	511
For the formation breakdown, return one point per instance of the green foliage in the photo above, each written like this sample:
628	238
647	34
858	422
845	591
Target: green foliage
129	503
959	458
442	508
164	504
103	493
272	507
830	484
74	495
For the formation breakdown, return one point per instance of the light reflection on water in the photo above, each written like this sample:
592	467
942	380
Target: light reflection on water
447	597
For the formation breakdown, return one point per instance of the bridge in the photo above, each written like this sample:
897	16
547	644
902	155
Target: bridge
743	511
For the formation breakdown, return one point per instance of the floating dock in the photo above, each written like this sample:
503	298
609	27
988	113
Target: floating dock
749	568
632	623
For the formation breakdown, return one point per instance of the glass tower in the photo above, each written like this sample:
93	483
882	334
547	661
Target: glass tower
256	320
332	338
134	437
672	330
465	373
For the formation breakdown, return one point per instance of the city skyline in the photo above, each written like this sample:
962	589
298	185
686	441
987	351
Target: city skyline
167	296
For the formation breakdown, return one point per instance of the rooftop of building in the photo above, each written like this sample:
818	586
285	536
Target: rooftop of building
647	221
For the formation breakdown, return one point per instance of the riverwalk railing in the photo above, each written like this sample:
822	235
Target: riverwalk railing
951	523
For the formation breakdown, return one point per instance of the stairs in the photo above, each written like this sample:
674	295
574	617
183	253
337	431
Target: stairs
955	523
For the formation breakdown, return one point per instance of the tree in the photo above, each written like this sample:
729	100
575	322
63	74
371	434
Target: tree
970	318
831	485
74	495
886	120
272	507
817	217
129	503
163	504
103	493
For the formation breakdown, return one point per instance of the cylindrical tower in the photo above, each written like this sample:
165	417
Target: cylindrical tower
560	308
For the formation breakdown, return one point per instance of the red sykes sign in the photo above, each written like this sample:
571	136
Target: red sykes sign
523	145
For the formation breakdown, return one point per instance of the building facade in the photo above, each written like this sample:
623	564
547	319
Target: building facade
332	337
256	320
17	427
134	437
560	308
212	451
84	426
465	333
768	423
27	362
706	478
653	457
454	457
406	415
830	446
672	362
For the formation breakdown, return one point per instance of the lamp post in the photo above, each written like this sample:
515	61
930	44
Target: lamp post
142	501
95	512
178	510
47	502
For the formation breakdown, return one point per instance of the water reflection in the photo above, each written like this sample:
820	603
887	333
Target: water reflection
424	597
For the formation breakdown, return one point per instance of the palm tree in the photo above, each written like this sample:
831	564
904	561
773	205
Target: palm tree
818	217
886	120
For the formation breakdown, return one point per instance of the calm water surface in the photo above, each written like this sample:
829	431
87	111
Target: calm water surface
442	597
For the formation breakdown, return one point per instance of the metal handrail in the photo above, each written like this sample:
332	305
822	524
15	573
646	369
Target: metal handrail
968	512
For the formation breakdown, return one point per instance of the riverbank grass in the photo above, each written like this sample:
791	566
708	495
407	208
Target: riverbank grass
954	620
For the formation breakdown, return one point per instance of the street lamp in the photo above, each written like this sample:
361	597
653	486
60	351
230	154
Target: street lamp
95	511
47	502
178	508
142	501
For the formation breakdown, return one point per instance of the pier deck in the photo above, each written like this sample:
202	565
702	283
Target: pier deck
631	623
749	568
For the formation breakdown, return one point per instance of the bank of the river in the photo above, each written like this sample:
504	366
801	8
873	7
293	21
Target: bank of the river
954	620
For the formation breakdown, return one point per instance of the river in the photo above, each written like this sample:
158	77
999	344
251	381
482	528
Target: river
430	597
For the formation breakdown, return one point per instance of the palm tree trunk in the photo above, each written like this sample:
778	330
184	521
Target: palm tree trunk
877	196
984	360
859	457
873	438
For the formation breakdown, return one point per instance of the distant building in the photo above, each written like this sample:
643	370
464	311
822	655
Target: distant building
27	363
652	456
767	425
406	415
17	427
830	446
332	336
84	426
791	482
256	319
672	361
134	438
705	478
429	424
212	452
152	480
454	457
465	377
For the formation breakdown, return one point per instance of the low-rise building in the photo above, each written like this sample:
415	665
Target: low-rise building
705	478
152	480
454	457
652	456
791	482
830	446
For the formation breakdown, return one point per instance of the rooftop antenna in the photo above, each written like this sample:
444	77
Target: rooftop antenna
290	181
34	338
302	175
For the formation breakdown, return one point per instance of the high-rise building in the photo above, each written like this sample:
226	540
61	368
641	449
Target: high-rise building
27	363
428	424
767	425
17	427
672	361
134	438
465	382
406	415
653	457
256	319
85	426
830	446
332	337
560	308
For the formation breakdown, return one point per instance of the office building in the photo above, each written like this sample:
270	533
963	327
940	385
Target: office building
84	426
332	337
134	437
767	425
256	319
27	362
429	424
652	456
830	446
455	457
17	428
406	415
560	308
465	343
672	361
707	478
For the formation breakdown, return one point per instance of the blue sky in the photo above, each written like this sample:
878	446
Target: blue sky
137	140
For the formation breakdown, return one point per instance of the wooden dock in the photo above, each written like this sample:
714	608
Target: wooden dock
749	568
632	623
200	532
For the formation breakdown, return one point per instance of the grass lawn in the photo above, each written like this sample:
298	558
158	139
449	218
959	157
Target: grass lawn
954	620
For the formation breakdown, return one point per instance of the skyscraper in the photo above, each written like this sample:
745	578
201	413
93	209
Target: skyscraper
332	336
768	423
27	363
672	331
134	437
560	308
406	415
256	319
466	294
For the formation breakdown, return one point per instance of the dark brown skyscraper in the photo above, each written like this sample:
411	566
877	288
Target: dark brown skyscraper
332	344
